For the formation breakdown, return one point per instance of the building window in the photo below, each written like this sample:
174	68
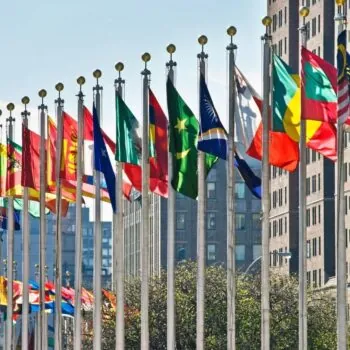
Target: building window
239	190
211	252
307	186
319	214
180	221
319	277
211	221
256	221
346	172
314	247
274	23
314	218
319	23
308	218
285	15
274	228
314	278
285	225
285	195
319	182
313	156
212	175
307	156
280	197
240	252
313	184
308	277
256	251
240	221
211	190
180	253
319	245
313	27
280	18
280	227
308	249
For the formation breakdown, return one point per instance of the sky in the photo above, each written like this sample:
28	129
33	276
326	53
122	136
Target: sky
49	41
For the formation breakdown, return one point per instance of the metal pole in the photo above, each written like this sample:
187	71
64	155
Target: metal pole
146	57
37	317
302	213
58	263
341	236
10	249
171	319
97	234
26	246
118	248
265	257
42	109
78	222
231	236
202	205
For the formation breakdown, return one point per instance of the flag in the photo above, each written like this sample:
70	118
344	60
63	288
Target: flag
212	136
183	139
102	162
252	181
318	88
3	219
159	140
69	185
128	141
283	152
320	136
343	78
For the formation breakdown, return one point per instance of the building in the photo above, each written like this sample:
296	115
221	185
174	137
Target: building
320	186
68	247
248	226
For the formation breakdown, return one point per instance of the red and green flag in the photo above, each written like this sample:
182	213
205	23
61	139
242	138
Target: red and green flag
319	88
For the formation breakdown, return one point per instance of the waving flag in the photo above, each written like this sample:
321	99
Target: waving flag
320	136
284	152
212	134
252	181
3	219
318	88
102	162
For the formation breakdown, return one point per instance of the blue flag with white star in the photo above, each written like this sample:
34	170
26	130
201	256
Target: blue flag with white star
212	134
102	163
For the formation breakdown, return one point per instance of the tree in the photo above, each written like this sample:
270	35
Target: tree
284	312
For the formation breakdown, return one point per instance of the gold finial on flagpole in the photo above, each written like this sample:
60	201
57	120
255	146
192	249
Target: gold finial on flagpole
119	67
171	48
59	87
304	11
231	31
266	21
25	100
10	107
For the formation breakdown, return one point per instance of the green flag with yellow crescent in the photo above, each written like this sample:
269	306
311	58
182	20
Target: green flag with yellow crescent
183	139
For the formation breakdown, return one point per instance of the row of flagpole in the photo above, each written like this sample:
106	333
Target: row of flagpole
265	306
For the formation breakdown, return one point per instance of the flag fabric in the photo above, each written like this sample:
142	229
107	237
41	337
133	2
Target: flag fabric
318	88
252	181
212	135
343	78
320	136
3	219
283	152
183	139
102	162
128	141
159	140
70	185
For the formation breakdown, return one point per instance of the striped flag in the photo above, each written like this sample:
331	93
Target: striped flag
343	81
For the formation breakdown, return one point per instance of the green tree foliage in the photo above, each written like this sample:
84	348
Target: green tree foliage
284	313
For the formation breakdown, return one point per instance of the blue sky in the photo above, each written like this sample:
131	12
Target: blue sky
47	41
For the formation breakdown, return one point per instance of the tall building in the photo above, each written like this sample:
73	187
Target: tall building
320	179
68	247
248	226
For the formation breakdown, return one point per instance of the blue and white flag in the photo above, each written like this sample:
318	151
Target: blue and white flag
252	181
212	135
102	163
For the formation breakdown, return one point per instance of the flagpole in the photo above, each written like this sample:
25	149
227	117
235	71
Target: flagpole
118	247
97	232
265	258
10	249
341	235
26	246
146	57
304	12
171	329
42	244
58	273
231	237
37	317
202	205
78	222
